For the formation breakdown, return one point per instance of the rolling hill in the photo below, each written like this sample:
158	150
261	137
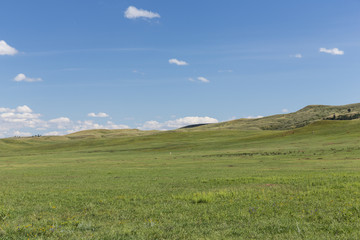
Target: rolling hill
303	117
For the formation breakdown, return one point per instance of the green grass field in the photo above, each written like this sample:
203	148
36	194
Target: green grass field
188	184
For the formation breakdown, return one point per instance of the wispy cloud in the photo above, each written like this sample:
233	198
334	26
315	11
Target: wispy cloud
5	49
137	72
225	71
23	78
133	13
334	51
298	55
200	79
99	115
178	62
203	79
285	110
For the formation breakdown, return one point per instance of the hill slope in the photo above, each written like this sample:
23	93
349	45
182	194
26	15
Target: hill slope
303	117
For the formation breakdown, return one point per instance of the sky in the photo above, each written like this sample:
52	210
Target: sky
68	65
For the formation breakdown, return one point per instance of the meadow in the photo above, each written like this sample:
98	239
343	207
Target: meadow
302	183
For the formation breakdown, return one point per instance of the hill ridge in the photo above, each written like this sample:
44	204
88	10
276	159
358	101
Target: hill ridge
300	118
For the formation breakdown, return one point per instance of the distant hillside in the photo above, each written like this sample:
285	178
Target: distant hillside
303	117
105	133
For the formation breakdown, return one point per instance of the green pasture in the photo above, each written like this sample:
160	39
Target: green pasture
185	184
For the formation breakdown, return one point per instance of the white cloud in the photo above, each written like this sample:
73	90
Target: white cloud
202	79
53	133
21	114
21	134
7	115
254	117
61	123
5	49
177	123
189	121
60	120
16	119
23	109
285	110
87	125
334	51
100	115
177	62
22	78
133	12
111	125
152	125
5	109
22	121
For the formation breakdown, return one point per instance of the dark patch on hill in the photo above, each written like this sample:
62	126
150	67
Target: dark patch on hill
344	117
195	125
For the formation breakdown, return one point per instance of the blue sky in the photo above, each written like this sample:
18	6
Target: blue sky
74	65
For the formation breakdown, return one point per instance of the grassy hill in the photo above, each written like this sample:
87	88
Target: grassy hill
212	183
104	133
297	119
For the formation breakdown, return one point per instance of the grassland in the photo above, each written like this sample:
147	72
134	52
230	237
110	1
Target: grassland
191	184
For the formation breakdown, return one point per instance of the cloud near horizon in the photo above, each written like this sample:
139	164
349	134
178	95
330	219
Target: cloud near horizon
178	62
254	117
133	13
23	78
334	51
22	121
88	125
5	49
